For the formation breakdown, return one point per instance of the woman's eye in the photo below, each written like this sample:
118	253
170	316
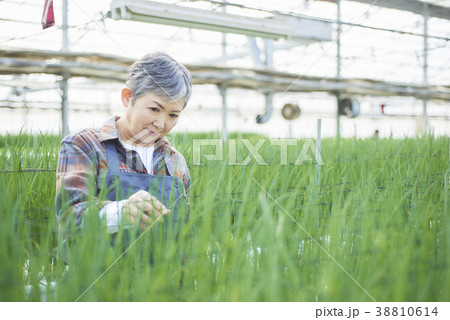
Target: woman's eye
154	109
174	116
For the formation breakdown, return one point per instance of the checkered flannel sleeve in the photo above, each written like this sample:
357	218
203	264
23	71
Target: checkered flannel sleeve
75	181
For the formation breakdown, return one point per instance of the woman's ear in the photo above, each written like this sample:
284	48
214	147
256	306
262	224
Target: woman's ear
127	97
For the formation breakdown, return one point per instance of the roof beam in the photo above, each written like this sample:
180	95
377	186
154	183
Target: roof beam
414	6
111	68
274	27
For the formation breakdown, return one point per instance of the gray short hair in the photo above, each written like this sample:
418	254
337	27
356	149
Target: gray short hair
160	74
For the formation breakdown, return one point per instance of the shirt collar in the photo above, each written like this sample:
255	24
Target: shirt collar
109	132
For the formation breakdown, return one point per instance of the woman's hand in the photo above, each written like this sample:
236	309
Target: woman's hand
144	207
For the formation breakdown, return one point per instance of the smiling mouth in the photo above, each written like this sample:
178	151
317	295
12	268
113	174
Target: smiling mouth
153	132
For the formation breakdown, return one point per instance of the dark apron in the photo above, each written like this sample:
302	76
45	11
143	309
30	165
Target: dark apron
168	189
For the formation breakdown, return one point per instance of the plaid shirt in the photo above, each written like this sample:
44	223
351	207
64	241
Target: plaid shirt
82	161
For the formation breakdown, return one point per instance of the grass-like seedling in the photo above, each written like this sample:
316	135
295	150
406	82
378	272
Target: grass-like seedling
376	227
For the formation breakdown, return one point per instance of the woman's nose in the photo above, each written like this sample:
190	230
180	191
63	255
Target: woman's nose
159	123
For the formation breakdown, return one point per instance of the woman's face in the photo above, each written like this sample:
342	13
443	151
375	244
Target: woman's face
149	118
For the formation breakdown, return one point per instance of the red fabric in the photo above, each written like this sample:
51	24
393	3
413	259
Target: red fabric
48	18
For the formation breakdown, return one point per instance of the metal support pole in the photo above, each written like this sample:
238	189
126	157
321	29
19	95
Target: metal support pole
268	62
25	105
65	36
254	51
65	81
65	105
338	66
224	35
318	149
268	109
338	116
269	93
338	35
268	52
223	93
425	61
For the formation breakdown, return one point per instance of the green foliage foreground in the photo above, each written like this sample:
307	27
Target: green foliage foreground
376	228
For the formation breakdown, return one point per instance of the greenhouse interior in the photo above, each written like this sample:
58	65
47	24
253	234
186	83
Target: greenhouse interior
314	150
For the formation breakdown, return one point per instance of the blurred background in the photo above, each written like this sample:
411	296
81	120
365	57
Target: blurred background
364	67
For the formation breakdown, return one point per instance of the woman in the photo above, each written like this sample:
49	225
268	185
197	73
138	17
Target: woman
128	154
